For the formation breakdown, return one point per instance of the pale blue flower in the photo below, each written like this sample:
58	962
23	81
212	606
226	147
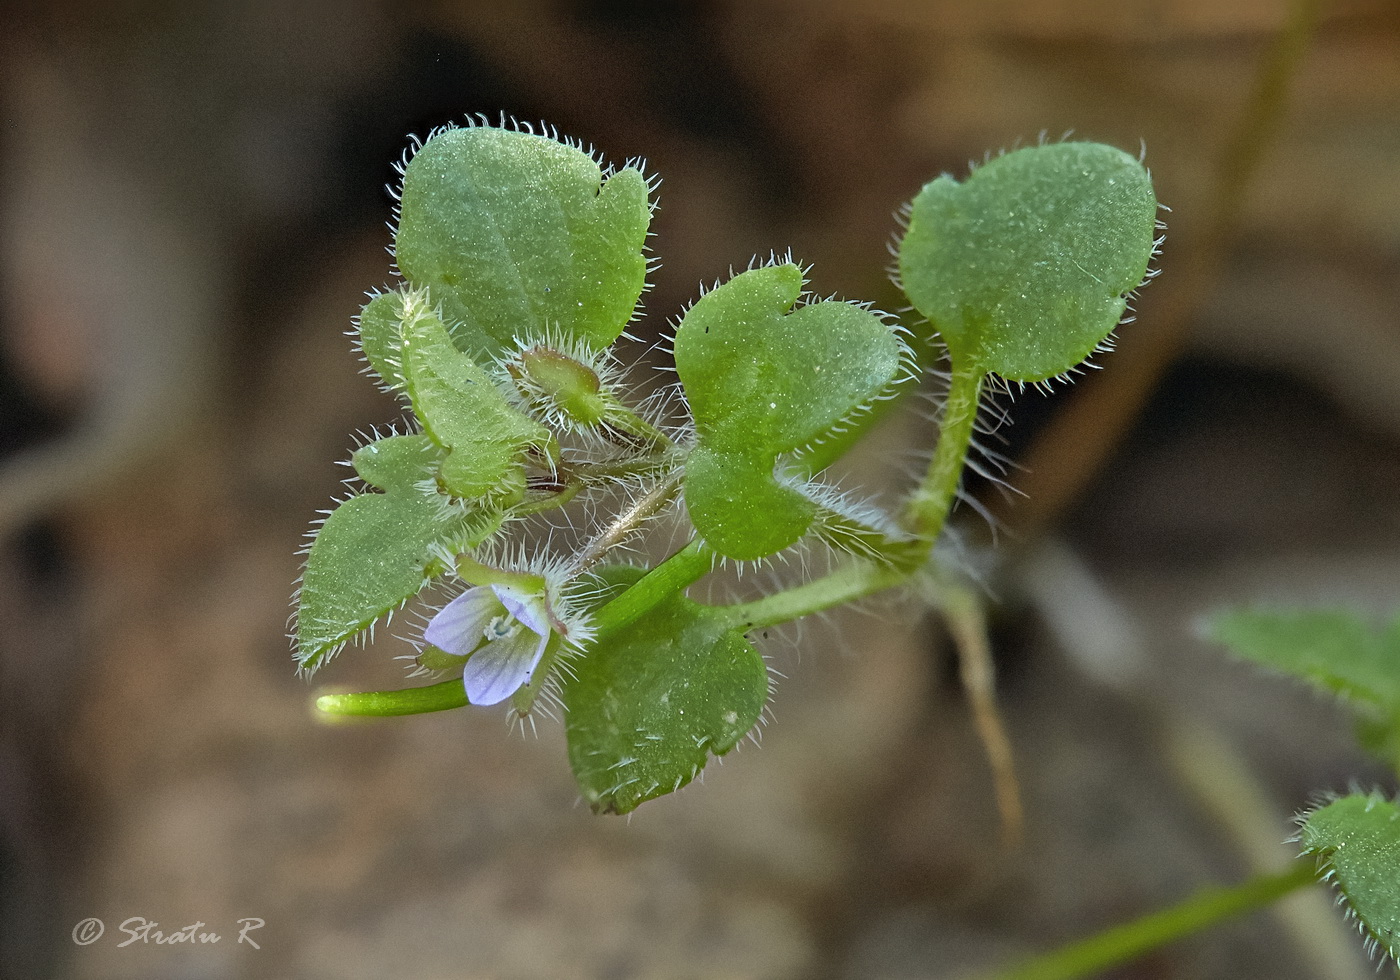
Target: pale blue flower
502	629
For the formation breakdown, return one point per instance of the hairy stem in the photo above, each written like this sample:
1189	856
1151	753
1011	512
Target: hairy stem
634	466
572	477
850	534
843	585
622	421
927	511
647	506
548	501
930	504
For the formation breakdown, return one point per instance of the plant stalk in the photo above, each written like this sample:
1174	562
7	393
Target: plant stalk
931	503
1124	943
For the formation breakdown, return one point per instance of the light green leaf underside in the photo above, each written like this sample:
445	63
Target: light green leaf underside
513	233
763	380
1358	840
1023	267
1335	651
461	409
374	550
649	704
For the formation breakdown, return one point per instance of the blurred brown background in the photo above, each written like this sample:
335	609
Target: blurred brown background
193	206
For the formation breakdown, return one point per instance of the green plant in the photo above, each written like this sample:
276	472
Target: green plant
522	261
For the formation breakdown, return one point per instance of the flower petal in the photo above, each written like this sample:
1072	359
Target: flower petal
502	667
460	626
528	607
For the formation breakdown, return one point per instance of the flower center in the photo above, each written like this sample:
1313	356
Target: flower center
501	627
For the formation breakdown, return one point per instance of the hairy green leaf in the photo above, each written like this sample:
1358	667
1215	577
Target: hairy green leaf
374	551
1023	268
649	704
516	234
380	330
763	380
1357	840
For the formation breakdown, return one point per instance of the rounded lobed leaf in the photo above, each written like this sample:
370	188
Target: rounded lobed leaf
513	233
763	380
1024	268
739	508
649	704
396	463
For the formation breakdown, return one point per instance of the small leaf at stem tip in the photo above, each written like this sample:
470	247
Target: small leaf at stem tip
563	384
1024	268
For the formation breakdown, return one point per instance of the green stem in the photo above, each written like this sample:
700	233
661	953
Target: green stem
928	509
843	585
930	504
926	513
675	573
577	475
549	501
662	459
412	701
1127	942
